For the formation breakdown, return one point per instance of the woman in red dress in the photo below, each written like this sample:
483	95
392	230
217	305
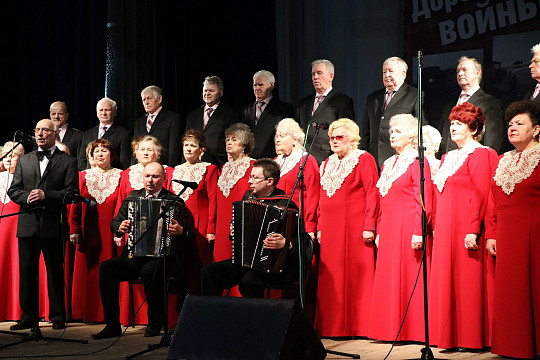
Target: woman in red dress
200	203
90	230
232	184
348	208
9	248
399	238
456	294
516	193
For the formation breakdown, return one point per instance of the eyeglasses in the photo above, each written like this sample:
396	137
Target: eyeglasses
337	137
257	179
45	130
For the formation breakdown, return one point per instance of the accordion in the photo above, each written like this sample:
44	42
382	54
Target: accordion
253	221
142	213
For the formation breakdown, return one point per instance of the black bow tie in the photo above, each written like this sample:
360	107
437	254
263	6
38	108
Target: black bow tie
40	154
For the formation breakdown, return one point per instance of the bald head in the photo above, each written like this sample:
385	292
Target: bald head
153	177
58	112
46	132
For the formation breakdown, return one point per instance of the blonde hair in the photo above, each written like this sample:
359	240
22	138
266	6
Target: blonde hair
352	129
157	145
18	150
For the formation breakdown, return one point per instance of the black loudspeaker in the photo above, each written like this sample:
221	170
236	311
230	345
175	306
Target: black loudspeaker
211	327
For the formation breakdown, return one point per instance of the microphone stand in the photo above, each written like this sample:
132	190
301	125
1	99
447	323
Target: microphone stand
427	354
36	331
166	337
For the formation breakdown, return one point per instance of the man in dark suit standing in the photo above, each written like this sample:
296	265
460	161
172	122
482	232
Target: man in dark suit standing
71	137
119	136
213	118
324	106
469	75
41	180
263	115
535	74
163	124
395	98
123	268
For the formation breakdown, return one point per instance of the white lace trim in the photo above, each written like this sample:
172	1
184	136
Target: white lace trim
136	176
452	162
434	165
336	171
192	173
5	183
391	172
231	172
102	185
287	163
513	168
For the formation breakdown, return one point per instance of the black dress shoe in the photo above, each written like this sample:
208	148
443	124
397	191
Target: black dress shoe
110	331
58	325
22	325
152	330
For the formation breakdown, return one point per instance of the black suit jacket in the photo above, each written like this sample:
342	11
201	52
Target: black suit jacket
334	106
120	139
59	178
375	131
530	93
214	132
168	129
265	129
495	135
72	139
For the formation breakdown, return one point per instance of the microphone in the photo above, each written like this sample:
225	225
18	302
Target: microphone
79	199
26	137
323	125
190	184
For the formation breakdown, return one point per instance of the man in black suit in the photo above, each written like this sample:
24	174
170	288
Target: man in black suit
535	74
71	137
123	268
324	106
469	75
213	118
119	136
41	180
395	98
163	124
263	115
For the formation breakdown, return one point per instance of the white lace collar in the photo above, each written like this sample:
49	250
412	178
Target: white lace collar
136	176
287	163
393	168
453	161
5	182
335	171
514	167
231	172
102	185
434	165
187	172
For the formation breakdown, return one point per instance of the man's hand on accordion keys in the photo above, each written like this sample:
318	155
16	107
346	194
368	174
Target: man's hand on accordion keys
124	226
174	228
274	241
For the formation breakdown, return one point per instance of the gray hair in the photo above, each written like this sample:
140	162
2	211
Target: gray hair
535	48
291	127
153	89
111	102
411	125
475	62
18	150
214	80
327	63
399	60
270	78
59	103
433	135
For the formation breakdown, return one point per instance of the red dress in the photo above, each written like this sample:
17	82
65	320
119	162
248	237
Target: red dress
516	192
348	205
96	240
232	184
201	205
457	288
398	264
290	166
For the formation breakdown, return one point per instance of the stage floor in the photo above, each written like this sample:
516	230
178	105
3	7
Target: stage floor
133	341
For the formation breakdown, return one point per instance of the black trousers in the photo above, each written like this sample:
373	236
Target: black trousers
30	249
122	268
224	274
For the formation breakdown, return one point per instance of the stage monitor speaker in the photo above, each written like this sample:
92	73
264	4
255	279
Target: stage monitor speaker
211	327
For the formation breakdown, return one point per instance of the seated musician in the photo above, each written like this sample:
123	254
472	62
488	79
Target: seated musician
217	277
123	268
